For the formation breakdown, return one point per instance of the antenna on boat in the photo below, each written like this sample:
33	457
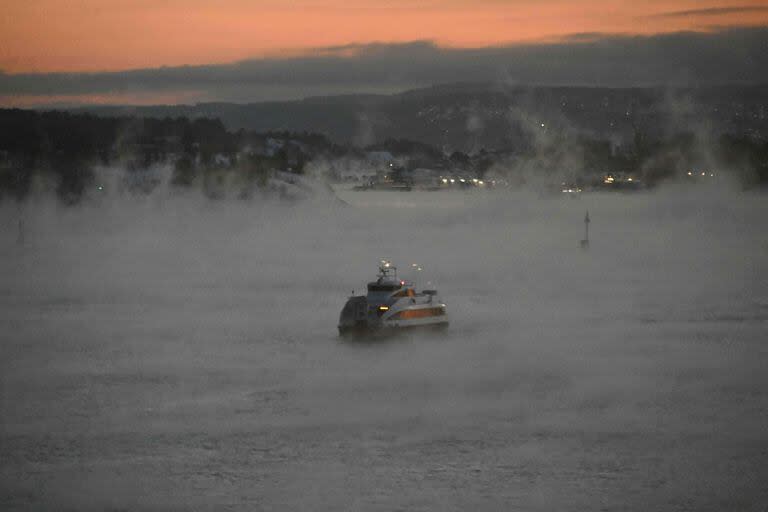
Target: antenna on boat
385	267
584	244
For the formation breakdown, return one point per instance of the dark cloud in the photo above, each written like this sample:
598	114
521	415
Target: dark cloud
712	11
587	37
736	55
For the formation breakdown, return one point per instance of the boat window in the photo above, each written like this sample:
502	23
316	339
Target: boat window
383	287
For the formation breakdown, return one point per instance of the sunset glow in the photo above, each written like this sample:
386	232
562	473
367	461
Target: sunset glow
94	35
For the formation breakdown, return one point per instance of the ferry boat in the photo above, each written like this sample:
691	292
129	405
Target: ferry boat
391	305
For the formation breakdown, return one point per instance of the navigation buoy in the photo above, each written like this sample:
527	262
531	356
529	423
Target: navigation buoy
584	244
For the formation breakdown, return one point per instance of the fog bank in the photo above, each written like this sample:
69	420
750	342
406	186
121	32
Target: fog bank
178	353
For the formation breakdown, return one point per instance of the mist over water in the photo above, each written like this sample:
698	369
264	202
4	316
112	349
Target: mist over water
182	354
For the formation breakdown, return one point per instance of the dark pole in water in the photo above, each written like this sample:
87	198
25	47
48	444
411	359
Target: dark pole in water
585	243
586	227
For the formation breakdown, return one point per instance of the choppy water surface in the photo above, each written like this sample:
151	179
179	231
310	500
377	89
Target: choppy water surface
183	355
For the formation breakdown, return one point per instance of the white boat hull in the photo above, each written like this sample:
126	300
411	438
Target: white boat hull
392	305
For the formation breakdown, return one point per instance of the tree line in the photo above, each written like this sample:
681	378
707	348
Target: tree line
64	149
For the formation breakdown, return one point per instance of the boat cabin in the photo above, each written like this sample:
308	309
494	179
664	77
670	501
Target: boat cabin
392	303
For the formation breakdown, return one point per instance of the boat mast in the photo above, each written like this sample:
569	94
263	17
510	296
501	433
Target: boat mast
385	267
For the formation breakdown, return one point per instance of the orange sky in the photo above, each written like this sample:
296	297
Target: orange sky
91	35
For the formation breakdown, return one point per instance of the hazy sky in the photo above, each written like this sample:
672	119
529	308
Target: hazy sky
90	35
76	36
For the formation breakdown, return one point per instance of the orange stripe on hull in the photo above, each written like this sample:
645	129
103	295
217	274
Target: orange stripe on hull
419	313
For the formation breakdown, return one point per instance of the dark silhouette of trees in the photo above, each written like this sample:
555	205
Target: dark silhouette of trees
748	156
63	148
184	171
